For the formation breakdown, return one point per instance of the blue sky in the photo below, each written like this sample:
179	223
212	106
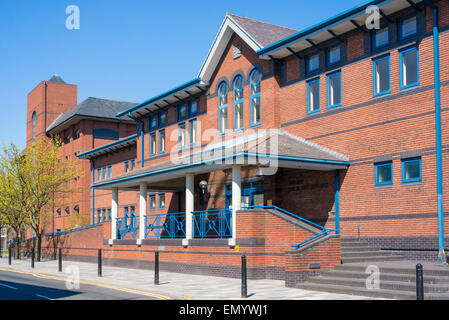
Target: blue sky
125	50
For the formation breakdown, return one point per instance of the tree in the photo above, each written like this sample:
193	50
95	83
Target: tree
48	178
13	192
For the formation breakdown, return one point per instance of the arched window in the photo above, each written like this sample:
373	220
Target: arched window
255	78
223	108
238	103
34	125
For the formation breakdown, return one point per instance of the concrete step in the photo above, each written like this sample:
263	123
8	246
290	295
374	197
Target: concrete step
373	253
407	270
380	293
411	278
383	284
373	258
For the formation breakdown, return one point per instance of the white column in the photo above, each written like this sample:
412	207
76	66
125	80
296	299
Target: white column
114	214
189	207
142	212
236	200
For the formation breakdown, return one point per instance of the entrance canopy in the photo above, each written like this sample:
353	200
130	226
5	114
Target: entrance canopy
268	151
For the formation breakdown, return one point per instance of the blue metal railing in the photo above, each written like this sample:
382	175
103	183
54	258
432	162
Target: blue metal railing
166	225
324	231
212	224
127	227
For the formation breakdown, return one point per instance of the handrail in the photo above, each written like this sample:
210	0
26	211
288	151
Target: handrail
324	231
214	223
165	225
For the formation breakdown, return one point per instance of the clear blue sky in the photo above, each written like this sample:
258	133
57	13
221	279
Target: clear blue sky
125	50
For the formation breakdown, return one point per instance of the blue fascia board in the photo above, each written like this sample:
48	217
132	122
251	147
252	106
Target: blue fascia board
182	87
113	144
322	26
238	155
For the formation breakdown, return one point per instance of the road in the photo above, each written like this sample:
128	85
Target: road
20	286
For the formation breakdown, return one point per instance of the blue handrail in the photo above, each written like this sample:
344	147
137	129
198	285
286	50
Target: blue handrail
127	227
165	225
324	231
215	223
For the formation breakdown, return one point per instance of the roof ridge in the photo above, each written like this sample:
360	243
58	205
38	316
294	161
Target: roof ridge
268	23
108	100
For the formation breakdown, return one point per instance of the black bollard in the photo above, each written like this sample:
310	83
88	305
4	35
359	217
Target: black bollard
244	282
60	260
419	282
156	268
9	255
32	257
100	271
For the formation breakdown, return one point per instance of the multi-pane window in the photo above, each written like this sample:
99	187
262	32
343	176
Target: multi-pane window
380	38
162	141
161	200
223	108
126	166
408	27
104	173
408	60
98	215
313	95
193	131
238	103
133	217
33	119
182	112
193	108
333	55
152	201
109	171
334	89
162	119
109	215
98	174
384	173
381	70
312	62
182	135
133	165
153	123
153	144
255	79
411	170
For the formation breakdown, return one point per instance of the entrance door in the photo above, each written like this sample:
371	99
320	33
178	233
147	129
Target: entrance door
252	194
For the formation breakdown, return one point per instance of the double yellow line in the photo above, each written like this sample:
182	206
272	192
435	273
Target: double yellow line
133	291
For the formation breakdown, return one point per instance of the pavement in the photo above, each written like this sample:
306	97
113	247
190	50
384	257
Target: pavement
172	285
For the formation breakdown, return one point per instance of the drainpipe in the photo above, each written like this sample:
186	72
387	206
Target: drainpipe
337	201
439	153
142	137
92	165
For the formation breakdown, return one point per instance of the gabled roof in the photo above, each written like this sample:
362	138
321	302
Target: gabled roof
255	33
90	108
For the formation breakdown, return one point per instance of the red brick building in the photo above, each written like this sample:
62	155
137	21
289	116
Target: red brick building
285	142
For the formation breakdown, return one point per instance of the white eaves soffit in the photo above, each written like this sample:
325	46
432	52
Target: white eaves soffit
228	27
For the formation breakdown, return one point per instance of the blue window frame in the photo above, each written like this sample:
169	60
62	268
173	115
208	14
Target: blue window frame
312	62
153	144
162	119
109	215
98	174
161	141
193	132
105	133
409	67
152	202
380	38
126	166
152	123
103	176
133	165
181	135
313	95
126	215
109	171
238	103
193	108
161	200
182	112
255	79
223	108
334	90
381	76
408	27
383	173
333	55
411	170
98	215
